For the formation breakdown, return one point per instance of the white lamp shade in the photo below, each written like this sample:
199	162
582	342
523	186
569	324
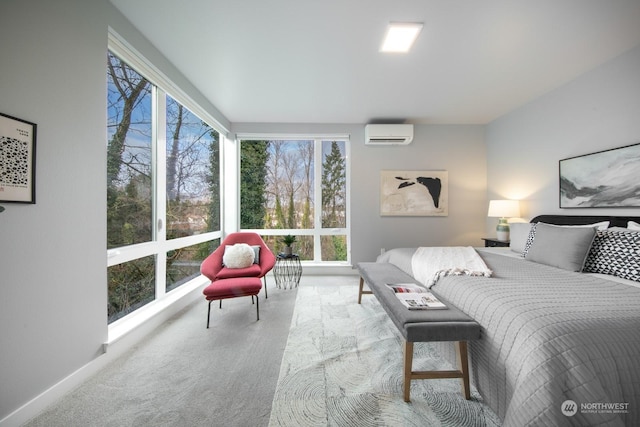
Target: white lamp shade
504	208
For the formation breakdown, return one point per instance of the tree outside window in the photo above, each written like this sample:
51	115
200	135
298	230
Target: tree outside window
280	192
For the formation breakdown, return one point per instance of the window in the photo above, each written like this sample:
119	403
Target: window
163	187
298	187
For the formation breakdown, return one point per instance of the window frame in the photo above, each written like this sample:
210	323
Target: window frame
158	246
318	231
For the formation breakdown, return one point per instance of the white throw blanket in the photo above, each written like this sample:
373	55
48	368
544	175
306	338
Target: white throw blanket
431	263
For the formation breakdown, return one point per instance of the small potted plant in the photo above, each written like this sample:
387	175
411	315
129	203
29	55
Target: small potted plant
288	240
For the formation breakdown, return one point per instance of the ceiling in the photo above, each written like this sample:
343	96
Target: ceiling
317	61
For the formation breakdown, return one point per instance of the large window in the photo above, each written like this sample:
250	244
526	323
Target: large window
297	187
163	189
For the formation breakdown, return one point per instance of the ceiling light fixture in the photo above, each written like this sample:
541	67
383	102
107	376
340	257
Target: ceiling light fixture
400	36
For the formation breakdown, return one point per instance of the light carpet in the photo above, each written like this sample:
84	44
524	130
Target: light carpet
342	366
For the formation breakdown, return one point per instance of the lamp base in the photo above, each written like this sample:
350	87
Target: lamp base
502	230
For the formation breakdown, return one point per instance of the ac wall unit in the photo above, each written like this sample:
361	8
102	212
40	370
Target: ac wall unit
396	134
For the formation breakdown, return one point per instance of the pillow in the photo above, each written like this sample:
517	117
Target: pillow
532	234
618	229
256	252
530	238
599	225
632	225
603	225
616	253
239	255
519	234
562	247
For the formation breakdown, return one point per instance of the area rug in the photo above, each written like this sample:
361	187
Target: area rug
342	366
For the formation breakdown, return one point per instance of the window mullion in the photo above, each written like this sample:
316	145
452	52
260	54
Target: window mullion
160	185
317	191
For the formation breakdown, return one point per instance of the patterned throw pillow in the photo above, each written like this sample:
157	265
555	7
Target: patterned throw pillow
616	253
530	237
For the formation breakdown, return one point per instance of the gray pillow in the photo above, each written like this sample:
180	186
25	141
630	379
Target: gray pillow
519	233
562	247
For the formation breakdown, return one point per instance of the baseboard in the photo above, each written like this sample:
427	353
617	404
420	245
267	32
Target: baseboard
112	351
328	270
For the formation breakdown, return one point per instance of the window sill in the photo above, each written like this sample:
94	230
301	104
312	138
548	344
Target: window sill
121	327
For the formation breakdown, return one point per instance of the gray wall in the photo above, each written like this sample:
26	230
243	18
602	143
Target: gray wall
53	292
458	149
52	254
596	111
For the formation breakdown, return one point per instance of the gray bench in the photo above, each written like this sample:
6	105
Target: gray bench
420	325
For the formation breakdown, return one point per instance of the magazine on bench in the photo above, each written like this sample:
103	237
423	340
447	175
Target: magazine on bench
415	297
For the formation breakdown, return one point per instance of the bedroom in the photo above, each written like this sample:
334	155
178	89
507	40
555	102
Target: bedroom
54	76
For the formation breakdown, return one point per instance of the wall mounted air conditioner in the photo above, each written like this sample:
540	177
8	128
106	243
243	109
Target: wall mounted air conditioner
395	134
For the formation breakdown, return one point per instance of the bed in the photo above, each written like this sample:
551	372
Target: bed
558	347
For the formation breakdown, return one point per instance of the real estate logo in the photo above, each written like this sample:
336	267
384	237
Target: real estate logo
569	408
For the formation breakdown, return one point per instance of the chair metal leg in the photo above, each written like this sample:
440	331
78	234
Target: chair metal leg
265	287
257	307
220	303
209	313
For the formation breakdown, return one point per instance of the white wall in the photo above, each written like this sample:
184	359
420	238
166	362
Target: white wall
597	111
460	150
53	286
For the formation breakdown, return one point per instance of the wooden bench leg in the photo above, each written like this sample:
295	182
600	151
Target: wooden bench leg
362	291
463	365
462	372
408	366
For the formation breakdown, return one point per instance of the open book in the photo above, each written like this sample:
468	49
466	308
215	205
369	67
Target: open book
415	297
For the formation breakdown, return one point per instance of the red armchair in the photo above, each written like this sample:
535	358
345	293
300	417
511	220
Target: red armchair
236	282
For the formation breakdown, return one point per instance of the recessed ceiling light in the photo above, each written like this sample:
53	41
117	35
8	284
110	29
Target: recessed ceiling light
400	36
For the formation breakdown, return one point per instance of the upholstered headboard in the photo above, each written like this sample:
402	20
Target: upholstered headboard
614	221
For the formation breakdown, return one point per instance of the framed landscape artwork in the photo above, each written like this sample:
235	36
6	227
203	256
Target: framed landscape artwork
414	193
17	160
605	179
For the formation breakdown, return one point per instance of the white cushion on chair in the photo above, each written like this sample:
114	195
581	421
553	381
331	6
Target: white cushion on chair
239	255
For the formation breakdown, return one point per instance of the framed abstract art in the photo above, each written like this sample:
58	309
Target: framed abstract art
17	160
605	179
414	193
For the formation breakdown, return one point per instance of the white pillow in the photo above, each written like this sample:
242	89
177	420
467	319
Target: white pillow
632	225
598	225
239	255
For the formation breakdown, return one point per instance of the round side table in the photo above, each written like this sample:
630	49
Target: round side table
287	271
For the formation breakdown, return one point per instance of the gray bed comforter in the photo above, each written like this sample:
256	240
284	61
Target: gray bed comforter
549	336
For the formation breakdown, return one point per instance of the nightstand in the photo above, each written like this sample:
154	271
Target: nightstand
492	242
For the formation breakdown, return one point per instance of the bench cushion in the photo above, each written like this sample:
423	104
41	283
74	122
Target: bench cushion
416	325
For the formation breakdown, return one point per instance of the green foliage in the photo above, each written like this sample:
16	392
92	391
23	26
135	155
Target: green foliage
288	240
213	179
131	285
253	172
280	221
291	213
340	248
333	188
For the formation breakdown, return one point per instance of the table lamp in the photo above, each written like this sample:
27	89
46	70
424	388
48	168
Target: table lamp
504	209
